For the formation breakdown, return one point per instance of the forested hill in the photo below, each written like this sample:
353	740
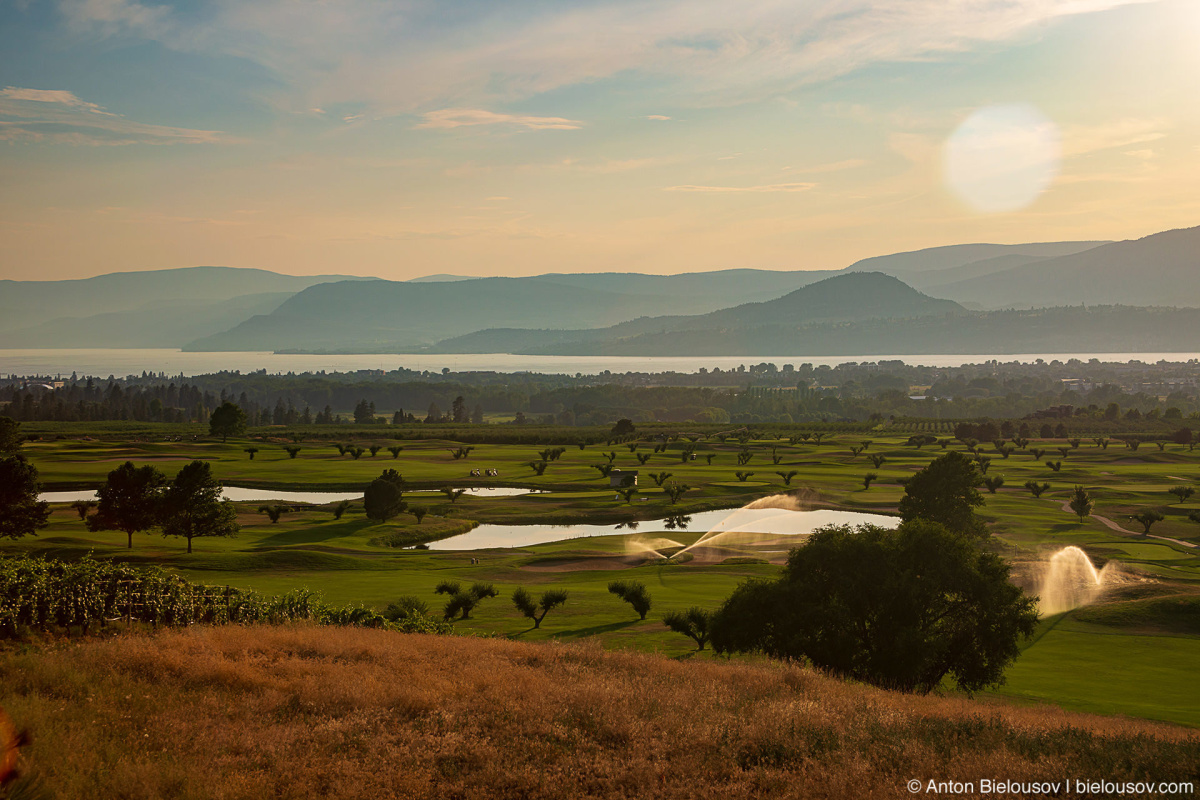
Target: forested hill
1104	329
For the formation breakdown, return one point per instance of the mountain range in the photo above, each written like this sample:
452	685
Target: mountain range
156	308
947	290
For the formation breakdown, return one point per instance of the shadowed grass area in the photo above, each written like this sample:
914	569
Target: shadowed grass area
303	713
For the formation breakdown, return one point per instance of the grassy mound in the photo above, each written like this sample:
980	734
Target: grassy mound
1178	614
298	712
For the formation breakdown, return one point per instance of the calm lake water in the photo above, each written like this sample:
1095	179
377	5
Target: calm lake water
105	362
773	521
243	494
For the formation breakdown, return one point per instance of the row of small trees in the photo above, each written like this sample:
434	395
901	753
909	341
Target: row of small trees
461	601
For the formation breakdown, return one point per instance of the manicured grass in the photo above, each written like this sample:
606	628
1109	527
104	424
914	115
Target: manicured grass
1101	670
347	560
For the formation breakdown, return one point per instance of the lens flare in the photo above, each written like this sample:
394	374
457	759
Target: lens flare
1002	158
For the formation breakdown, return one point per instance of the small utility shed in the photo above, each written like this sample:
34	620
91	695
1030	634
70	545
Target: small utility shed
619	478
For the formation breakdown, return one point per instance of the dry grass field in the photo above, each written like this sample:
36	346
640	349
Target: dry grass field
299	712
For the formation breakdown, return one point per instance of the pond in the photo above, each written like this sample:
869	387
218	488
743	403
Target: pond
722	525
246	495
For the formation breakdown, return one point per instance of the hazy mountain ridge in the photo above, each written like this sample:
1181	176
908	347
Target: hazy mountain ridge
842	298
223	308
151	307
1103	329
1160	269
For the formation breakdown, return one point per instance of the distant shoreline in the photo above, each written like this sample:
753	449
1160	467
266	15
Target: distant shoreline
103	362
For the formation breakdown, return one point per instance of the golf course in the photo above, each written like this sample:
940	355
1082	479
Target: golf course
711	509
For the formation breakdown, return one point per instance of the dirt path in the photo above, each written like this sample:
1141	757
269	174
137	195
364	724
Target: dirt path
1126	532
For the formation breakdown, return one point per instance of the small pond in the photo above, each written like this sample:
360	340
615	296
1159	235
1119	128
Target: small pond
774	521
243	494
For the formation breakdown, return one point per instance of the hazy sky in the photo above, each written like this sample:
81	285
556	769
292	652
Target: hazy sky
394	138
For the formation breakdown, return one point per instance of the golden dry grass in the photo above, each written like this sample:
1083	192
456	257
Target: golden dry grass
300	712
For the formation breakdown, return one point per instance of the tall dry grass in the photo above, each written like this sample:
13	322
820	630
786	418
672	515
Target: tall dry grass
301	712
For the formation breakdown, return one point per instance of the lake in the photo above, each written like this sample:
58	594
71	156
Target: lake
242	494
105	362
730	522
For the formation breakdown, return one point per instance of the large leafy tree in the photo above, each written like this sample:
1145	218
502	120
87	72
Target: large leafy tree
10	435
228	420
946	492
902	609
192	506
130	500
21	513
384	496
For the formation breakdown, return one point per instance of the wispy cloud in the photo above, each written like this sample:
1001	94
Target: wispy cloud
58	116
1079	140
410	57
835	166
466	117
769	187
657	117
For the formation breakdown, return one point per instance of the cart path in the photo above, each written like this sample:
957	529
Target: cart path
1126	532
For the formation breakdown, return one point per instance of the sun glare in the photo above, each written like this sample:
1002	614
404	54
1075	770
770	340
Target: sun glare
1002	158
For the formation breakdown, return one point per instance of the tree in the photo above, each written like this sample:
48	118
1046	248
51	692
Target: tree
292	451
1147	518
1036	488
272	512
675	491
877	460
1081	503
945	492
537	466
634	593
743	476
82	507
395	451
624	427
464	601
787	476
660	478
384	496
228	420
452	493
10	435
993	483
551	599
130	501
458	410
192	506
901	609
21	513
339	508
364	412
1182	492
419	512
251	451
870	476
694	623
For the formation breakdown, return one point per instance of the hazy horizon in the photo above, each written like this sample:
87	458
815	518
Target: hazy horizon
402	141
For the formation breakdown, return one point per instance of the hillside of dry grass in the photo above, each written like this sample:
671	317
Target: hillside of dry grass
299	712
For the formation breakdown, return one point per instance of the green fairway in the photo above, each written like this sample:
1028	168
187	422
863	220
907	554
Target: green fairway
1089	668
1129	665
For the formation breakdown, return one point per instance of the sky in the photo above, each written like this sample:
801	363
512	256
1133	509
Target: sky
402	138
